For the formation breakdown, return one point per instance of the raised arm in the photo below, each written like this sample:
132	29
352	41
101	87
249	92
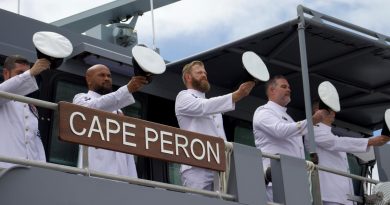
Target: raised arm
22	84
327	140
109	102
191	105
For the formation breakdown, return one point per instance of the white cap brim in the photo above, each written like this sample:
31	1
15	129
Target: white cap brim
387	118
149	60
329	95
52	44
255	66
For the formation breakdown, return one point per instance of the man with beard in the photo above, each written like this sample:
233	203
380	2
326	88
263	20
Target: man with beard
274	130
100	96
196	113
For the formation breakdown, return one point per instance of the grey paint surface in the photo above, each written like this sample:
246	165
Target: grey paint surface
382	154
107	13
246	176
42	186
290	181
29	185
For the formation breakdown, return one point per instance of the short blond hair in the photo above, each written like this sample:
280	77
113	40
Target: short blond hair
188	68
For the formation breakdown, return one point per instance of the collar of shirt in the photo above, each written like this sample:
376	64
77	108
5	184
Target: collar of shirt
276	106
324	126
93	94
197	93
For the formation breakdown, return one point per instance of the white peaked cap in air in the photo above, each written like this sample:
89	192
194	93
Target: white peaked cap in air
52	44
387	117
255	66
148	60
386	125
329	95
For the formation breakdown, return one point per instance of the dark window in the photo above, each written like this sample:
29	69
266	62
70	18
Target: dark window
243	133
63	152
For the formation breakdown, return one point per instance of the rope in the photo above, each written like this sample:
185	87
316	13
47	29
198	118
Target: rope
224	176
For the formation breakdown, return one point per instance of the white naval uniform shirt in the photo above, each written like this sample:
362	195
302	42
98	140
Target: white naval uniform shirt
277	133
103	160
197	114
331	151
19	134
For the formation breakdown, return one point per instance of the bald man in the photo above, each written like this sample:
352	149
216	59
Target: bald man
101	97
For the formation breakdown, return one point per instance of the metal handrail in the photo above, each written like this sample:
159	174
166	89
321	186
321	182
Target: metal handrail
378	36
330	170
346	174
21	98
87	172
54	106
74	170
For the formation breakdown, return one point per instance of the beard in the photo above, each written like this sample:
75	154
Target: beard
286	100
283	100
102	90
202	85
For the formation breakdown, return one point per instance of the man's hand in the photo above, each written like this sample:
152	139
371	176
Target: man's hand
310	166
378	141
39	66
319	116
314	158
136	83
243	90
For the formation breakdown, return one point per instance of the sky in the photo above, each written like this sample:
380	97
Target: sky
188	27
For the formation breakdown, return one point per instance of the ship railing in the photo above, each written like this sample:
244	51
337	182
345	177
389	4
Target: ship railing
92	173
172	187
330	170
